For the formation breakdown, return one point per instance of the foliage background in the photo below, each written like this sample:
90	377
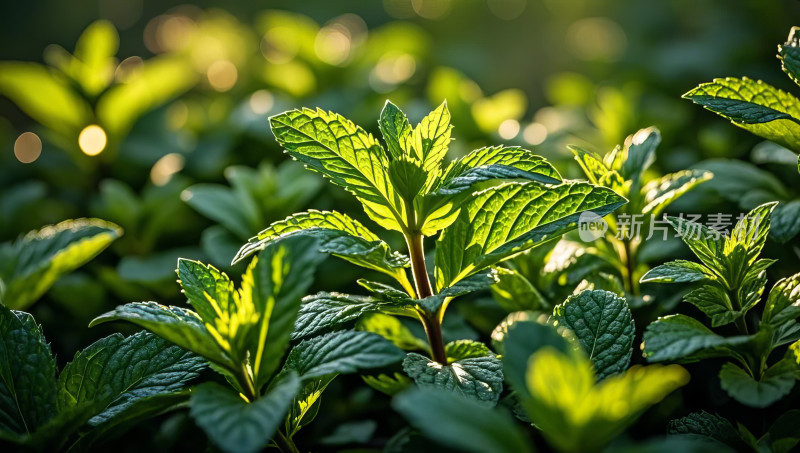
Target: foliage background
539	73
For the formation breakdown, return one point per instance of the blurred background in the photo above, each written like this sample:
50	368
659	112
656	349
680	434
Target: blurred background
152	115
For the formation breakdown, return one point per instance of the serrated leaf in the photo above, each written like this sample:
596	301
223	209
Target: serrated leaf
704	424
505	220
32	264
603	325
392	329
479	379
714	302
661	192
751	232
431	138
514	292
684	339
341	352
208	290
466	349
496	162
236	425
591	164
678	271
338	234
177	325
408	177
115	372
461	423
706	243
754	106
577	414
347	155
783	302
776	382
789	54
329	311
27	374
306	404
396	130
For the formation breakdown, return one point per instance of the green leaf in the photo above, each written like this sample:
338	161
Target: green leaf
782	436
705	425
408	177
776	382
338	234
751	231
715	303
208	290
514	292
708	244
341	352
222	205
496	162
115	372
783	302
639	153
27	374
684	339
661	192
160	79
461	423
32	264
306	404
505	220
94	56
392	329
396	130
603	325
236	425
177	325
678	271
44	95
346	154
329	311
523	338
431	138
737	181
786	221
789	54
577	414
754	106
389	385
479	379
466	349
591	164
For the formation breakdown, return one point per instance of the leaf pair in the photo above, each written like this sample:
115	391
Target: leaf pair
556	385
113	382
33	263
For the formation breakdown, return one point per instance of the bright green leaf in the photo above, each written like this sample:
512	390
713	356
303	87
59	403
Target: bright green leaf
466	349
678	271
396	130
684	339
514	292
392	329
661	192
783	302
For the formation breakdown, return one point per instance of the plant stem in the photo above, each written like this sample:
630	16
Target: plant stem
740	322
285	443
246	383
629	267
431	322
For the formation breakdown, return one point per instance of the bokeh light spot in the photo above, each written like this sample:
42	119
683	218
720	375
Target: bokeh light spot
92	140
432	9
27	147
165	168
597	38
534	133
261	102
222	75
508	129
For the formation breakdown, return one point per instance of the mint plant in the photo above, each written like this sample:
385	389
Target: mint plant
107	386
732	280
488	206
765	111
244	334
30	265
780	437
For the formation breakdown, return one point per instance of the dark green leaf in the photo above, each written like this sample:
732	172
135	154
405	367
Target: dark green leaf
714	302
786	221
776	382
684	339
602	323
479	379
789	53
514	292
461	423
678	271
705	425
238	426
783	302
661	192
330	311
341	352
